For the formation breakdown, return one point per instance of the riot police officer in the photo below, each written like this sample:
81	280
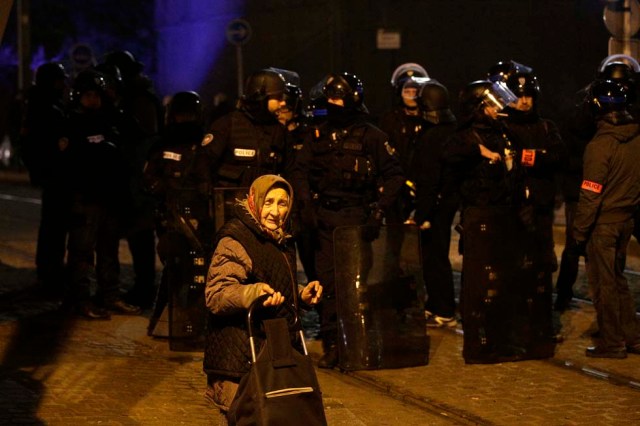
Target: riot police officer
99	184
403	124
44	145
481	153
609	196
135	96
177	174
436	202
337	175
541	150
250	142
580	128
506	302
404	121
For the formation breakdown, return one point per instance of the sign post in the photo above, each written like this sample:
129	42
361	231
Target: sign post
622	19
238	34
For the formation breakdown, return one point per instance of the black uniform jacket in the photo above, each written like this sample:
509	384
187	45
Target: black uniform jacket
610	189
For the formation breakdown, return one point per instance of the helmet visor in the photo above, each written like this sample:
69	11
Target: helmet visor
412	87
498	96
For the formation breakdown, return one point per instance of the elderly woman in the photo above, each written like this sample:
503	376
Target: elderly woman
253	257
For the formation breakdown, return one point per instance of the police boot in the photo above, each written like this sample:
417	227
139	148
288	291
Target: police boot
330	357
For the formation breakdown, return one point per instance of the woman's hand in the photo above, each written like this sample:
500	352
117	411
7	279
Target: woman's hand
275	297
312	293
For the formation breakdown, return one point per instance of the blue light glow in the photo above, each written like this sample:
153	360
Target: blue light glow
191	36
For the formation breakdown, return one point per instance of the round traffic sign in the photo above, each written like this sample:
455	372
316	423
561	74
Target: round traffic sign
622	20
81	55
238	31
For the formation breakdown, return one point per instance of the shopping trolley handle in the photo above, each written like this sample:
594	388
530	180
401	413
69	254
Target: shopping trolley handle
258	304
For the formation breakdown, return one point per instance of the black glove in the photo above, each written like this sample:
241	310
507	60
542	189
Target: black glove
371	229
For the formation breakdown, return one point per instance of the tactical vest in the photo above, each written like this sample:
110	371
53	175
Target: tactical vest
342	163
252	151
227	349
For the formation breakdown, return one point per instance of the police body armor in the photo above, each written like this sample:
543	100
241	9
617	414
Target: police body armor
252	151
346	175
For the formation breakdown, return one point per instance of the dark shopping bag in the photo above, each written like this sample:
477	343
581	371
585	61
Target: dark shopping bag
281	388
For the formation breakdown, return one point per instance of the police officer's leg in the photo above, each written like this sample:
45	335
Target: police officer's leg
437	270
143	255
568	272
605	266
107	262
327	307
83	233
52	239
626	301
547	264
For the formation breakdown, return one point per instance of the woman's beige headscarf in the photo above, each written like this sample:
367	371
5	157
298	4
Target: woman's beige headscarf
255	200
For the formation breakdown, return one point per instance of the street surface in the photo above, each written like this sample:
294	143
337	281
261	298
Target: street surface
60	369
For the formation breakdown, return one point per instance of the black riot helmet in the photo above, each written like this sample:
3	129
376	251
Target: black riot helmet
434	102
618	67
49	74
126	63
622	73
184	107
345	86
293	98
113	79
403	73
617	70
290	77
480	93
607	96
523	84
88	80
502	70
259	88
262	85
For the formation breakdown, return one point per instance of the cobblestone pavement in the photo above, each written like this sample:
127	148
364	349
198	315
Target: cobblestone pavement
61	370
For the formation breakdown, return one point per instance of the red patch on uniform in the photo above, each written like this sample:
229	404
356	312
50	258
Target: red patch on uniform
591	186
528	157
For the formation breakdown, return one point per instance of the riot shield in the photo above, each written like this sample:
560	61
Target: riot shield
506	289
187	311
224	200
188	271
380	298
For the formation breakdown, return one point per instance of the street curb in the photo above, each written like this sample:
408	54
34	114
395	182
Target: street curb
14	176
